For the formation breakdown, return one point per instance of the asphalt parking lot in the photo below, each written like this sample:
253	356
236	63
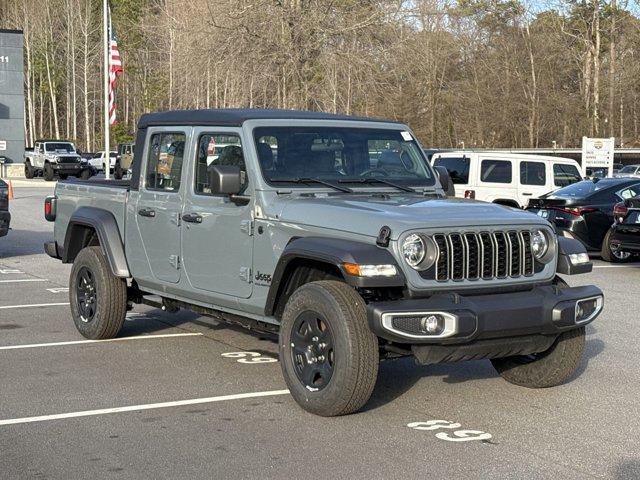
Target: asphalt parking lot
177	396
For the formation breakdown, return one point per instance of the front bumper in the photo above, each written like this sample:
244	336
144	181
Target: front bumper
5	219
69	168
487	326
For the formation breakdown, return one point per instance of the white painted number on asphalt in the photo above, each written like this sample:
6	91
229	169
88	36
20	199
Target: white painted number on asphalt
456	436
249	357
58	290
7	271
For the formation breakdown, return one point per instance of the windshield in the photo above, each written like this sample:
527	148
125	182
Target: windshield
342	155
628	169
59	147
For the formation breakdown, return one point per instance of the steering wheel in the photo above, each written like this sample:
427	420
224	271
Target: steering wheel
367	173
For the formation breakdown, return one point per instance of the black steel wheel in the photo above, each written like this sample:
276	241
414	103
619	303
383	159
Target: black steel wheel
312	350
86	295
98	298
328	354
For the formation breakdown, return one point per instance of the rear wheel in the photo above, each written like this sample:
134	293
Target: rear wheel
98	298
118	173
611	251
29	171
48	172
329	357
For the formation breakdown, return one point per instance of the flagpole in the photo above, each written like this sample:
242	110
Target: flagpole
105	33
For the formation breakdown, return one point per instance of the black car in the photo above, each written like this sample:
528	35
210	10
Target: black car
5	216
584	210
623	239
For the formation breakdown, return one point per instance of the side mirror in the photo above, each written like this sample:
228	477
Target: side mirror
225	179
445	180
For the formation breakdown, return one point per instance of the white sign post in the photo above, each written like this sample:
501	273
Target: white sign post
597	153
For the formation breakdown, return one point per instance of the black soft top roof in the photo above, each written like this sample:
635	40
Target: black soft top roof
237	116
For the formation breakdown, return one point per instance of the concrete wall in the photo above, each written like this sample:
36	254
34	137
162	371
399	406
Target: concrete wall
11	96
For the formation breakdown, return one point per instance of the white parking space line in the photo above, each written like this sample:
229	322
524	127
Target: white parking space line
136	408
34	305
22	280
626	265
80	342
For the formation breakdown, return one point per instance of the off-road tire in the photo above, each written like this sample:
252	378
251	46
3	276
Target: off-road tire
607	254
85	175
548	369
111	296
118	173
48	172
29	171
63	176
355	348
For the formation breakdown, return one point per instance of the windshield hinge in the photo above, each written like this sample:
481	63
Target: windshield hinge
247	227
174	260
245	274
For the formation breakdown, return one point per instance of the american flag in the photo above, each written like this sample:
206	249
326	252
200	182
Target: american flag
115	69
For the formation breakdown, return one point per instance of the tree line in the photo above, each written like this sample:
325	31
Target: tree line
473	73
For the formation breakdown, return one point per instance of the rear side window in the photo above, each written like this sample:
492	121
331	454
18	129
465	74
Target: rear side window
533	173
629	192
458	168
496	171
564	175
164	164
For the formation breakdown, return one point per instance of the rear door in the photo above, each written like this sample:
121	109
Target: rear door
160	201
533	180
217	236
565	174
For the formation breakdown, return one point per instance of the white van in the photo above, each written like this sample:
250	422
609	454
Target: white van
506	178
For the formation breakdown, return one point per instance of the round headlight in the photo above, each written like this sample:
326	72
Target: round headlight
413	250
539	244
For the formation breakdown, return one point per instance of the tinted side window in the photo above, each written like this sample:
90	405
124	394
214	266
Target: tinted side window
564	175
164	164
458	168
532	173
218	149
496	171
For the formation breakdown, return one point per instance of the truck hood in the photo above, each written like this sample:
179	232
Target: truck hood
365	214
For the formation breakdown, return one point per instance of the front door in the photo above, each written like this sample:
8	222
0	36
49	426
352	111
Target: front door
160	202
217	241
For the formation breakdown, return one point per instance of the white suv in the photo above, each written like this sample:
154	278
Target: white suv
506	178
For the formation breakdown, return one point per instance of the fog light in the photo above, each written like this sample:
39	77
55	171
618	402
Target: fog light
578	258
587	309
433	324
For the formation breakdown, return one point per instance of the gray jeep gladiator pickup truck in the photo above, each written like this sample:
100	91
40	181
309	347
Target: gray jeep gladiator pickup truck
332	232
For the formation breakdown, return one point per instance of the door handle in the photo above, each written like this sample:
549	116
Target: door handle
192	218
147	212
527	194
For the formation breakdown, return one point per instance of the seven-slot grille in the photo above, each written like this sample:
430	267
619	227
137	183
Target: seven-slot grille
483	255
68	159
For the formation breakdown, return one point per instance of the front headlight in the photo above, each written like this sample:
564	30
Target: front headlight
539	244
413	250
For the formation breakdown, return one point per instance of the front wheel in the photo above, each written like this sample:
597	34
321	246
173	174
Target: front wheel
29	171
118	173
611	251
85	175
48	172
98	298
545	369
329	357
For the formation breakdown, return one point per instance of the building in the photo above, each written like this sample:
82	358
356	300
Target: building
11	96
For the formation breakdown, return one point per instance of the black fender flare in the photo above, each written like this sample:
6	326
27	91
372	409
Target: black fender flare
334	252
566	247
106	227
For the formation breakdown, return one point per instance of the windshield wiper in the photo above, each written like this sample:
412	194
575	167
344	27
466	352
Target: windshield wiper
380	180
312	180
